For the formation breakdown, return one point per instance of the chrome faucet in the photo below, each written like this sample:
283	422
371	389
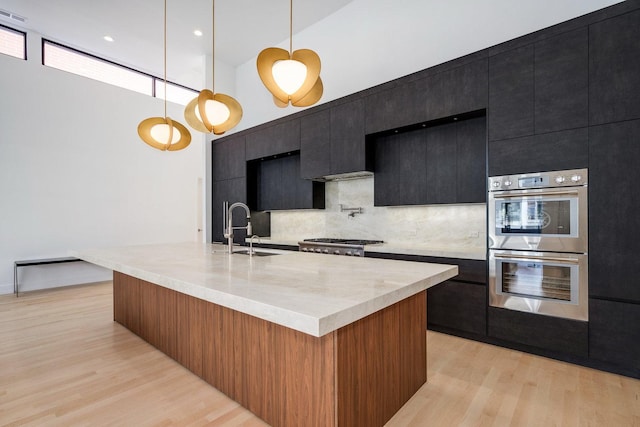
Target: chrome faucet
227	219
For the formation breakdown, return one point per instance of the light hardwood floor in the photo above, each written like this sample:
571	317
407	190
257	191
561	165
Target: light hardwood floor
64	362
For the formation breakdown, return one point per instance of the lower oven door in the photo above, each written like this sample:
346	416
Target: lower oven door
548	283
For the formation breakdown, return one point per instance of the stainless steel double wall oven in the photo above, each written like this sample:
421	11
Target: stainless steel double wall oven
538	243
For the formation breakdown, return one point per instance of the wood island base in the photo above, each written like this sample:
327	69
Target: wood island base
358	375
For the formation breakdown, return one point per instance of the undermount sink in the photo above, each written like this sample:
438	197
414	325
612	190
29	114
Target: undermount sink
255	253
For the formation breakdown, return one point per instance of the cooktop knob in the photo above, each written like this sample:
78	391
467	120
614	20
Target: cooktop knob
576	178
319	250
560	179
326	251
336	252
348	253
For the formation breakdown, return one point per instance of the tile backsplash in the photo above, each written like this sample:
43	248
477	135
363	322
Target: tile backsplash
435	226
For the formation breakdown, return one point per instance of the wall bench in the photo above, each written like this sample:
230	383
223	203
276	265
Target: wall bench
31	262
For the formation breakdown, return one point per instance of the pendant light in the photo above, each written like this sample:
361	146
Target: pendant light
291	77
212	112
162	132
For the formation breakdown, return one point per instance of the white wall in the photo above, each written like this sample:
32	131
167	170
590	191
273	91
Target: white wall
369	42
74	174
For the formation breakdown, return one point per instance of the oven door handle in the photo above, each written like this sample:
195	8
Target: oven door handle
545	193
539	258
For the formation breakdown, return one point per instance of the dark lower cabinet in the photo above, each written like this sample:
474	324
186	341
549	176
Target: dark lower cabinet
550	335
275	184
614	69
229	190
458	306
614	334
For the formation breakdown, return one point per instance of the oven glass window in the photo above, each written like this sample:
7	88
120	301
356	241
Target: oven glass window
534	216
534	279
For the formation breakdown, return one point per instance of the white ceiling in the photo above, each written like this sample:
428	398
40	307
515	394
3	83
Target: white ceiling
243	27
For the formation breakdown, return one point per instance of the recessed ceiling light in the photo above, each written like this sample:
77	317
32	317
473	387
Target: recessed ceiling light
197	33
108	38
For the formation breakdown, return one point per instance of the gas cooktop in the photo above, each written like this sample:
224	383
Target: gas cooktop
353	247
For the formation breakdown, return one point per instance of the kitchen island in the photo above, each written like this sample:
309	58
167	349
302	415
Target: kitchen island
297	338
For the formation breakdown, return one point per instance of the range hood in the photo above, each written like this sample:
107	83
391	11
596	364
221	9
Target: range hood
348	175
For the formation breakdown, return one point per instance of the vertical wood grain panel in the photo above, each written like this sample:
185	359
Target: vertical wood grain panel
149	320
218	361
126	301
197	309
182	332
167	330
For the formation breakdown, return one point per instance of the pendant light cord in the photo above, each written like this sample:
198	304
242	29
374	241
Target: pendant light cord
213	46
165	58
290	27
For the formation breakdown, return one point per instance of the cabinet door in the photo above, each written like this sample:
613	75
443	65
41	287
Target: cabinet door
231	190
614	211
315	145
276	139
347	138
401	105
471	179
564	336
614	64
454	305
441	164
562	82
229	158
511	93
400	169
567	149
614	333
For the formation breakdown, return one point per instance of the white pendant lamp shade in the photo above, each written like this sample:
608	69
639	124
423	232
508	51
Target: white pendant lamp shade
216	112
289	75
164	134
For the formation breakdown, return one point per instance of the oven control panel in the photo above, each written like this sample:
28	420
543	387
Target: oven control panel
552	179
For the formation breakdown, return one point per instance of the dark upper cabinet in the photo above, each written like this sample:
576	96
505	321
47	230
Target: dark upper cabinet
458	90
511	93
441	164
614	334
561	81
315	145
471	185
614	69
275	184
229	158
332	141
568	149
614	211
229	190
540	88
431	165
348	152
276	139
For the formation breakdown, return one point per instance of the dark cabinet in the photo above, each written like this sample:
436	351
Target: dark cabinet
275	184
568	149
458	90
540	88
547	333
315	145
432	165
614	211
511	93
614	334
282	137
229	158
458	306
614	69
332	141
229	190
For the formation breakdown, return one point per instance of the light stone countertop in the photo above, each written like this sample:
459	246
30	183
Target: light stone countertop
406	249
312	293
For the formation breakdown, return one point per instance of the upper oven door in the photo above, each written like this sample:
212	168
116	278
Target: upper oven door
544	219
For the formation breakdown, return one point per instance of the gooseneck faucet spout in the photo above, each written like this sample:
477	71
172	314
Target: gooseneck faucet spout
227	220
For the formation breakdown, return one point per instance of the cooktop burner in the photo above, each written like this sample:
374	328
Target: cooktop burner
345	241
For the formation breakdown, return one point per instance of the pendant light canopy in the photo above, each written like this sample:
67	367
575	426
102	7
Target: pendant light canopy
212	112
162	132
291	77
